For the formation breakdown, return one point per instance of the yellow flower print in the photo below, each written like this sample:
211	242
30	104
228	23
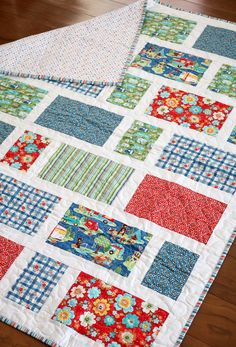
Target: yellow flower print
105	285
172	102
210	130
101	307
28	137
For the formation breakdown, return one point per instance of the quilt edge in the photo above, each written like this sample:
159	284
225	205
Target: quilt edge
184	331
205	290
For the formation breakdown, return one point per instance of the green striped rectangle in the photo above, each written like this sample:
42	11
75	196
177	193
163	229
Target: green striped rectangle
88	174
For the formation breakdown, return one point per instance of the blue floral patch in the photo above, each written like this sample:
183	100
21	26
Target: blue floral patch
171	64
100	239
85	122
217	40
170	270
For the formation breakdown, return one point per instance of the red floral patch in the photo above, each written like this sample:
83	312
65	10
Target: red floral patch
189	110
25	150
108	314
9	251
176	208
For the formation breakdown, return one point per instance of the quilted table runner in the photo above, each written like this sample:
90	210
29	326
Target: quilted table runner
117	200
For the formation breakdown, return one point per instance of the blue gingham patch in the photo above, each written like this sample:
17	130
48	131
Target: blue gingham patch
36	282
200	162
170	270
24	207
82	88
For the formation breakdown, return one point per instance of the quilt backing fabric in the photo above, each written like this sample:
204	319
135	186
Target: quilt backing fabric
118	203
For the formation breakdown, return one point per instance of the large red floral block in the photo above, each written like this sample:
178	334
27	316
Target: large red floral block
108	314
189	110
25	151
9	251
177	208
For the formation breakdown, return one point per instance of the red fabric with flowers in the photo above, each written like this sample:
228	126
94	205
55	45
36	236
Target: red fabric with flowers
189	110
108	314
25	151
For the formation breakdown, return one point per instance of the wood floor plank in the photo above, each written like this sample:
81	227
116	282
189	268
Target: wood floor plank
224	282
225	12
10	337
215	323
190	341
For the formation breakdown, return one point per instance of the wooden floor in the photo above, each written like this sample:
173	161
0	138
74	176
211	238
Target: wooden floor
214	325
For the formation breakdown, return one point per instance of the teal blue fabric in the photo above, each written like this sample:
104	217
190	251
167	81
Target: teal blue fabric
5	130
85	122
170	270
217	40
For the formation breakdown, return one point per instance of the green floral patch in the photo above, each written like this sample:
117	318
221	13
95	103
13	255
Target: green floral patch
166	27
224	81
130	92
137	141
17	98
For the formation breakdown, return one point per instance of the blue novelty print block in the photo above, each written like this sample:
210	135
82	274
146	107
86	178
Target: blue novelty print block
172	64
100	239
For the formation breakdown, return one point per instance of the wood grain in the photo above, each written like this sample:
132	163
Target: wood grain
214	326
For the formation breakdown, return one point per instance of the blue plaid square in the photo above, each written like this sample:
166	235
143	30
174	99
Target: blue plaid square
170	270
34	285
82	88
24	207
200	162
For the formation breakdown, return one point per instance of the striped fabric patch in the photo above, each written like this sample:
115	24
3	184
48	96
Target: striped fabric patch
88	174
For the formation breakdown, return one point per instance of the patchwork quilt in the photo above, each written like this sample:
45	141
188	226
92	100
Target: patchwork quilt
118	202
